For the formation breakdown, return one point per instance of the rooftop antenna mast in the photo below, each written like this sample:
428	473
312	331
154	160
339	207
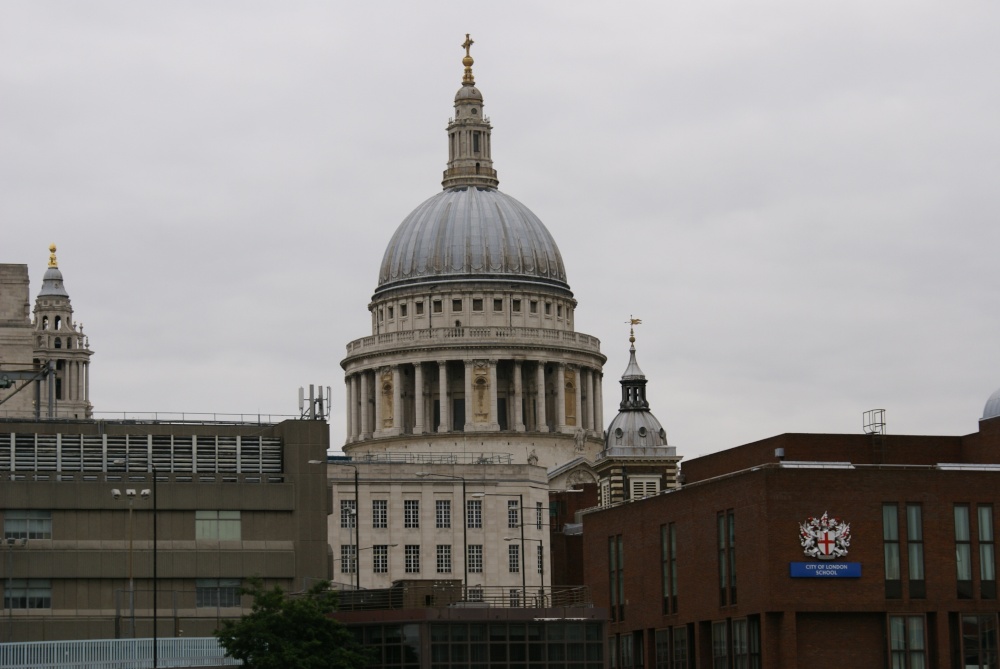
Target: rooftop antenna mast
316	407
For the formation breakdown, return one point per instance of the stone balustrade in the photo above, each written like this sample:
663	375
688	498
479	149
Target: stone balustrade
474	336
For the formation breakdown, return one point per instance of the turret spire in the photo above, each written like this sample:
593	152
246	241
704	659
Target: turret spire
469	144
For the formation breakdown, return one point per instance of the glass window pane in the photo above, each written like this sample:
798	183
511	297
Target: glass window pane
890	522
961	523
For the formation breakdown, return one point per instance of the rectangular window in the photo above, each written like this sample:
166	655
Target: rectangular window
348	513
27	593
474	513
906	642
475	594
456	305
23	524
541	558
477	304
963	551
348	559
218	525
419	307
538	515
662	646
390	313
411	555
680	648
548	308
515	306
666	564
411	514
741	647
514	559
514	597
217	592
533	306
443	559
987	564
979	642
512	514
726	521
890	549
438	307
442	514
402	310
720	646
915	550
559	311
497	305
475	558
616	577
627	654
380	514
380	559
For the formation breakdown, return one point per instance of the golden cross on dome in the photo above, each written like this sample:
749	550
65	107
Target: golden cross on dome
467	44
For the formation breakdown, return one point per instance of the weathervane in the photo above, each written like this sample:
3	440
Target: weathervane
632	321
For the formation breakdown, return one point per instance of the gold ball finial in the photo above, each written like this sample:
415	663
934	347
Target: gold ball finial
52	256
467	78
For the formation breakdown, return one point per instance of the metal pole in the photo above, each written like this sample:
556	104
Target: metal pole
465	541
131	575
524	567
9	596
357	545
541	565
155	649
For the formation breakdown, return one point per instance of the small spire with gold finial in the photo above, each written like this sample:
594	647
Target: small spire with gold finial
467	78
52	256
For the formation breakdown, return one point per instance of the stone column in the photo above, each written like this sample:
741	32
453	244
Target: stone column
468	395
579	397
541	423
494	411
599	399
561	397
591	404
86	371
418	398
365	425
443	401
518	392
377	428
349	412
398	419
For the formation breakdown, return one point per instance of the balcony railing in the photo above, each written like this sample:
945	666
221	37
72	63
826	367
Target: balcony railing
474	336
418	595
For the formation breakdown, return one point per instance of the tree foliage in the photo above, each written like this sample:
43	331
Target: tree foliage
283	631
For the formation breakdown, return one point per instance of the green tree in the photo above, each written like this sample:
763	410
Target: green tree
284	631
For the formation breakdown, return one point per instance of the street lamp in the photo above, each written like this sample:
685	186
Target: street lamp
357	508
130	495
10	543
541	562
520	522
465	527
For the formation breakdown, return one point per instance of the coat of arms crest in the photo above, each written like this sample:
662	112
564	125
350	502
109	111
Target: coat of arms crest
825	538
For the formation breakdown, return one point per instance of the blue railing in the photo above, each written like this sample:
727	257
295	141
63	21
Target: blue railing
117	653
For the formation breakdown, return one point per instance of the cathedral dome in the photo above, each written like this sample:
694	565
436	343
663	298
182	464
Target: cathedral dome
471	234
992	408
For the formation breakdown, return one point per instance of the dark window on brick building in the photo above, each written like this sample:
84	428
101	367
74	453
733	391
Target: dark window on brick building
890	550
616	566
987	563
963	552
907	648
915	550
726	524
668	560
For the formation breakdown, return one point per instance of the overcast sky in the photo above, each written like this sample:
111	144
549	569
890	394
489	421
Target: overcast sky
799	199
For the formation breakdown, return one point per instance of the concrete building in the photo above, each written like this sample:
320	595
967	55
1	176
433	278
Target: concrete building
803	550
44	360
231	501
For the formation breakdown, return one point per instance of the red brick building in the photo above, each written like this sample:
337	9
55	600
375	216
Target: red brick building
704	576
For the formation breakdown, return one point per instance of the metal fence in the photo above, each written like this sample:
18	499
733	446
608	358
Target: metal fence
117	653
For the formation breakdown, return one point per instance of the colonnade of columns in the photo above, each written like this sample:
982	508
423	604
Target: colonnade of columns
479	395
